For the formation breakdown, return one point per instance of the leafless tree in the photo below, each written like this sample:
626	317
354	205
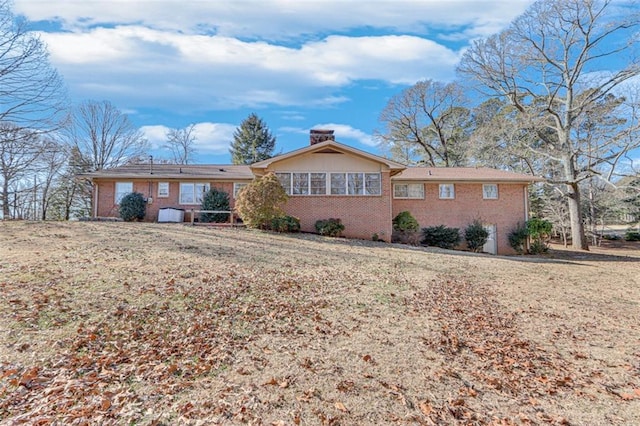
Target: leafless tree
31	91
548	65
430	116
103	135
51	169
19	152
181	143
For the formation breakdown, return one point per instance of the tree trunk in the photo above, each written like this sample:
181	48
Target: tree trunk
5	199
578	237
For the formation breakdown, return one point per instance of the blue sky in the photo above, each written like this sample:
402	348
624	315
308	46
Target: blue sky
297	64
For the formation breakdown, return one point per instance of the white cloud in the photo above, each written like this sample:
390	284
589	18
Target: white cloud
156	135
279	19
342	132
213	72
211	138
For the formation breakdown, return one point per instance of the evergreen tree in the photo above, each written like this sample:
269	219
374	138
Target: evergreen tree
252	141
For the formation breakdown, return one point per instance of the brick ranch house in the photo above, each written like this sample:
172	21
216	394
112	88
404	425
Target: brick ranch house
328	179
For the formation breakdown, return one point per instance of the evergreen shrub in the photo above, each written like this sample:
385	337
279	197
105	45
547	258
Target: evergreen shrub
215	199
132	207
440	236
285	224
329	227
476	236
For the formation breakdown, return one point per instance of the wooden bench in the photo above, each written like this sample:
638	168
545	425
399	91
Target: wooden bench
231	214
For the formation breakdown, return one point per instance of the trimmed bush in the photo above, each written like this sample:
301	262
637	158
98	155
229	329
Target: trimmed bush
132	207
261	201
215	199
440	236
518	238
285	224
405	222
476	236
632	236
539	230
329	227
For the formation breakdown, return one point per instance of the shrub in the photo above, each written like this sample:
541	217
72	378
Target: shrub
518	238
539	230
261	201
132	207
285	224
405	222
611	237
632	236
476	236
440	236
215	199
329	227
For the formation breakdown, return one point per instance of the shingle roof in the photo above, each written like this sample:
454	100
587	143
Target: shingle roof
463	174
175	171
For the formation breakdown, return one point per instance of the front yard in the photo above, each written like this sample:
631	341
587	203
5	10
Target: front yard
137	323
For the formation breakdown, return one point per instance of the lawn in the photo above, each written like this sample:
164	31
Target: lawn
137	323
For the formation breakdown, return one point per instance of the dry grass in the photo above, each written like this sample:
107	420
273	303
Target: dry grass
117	323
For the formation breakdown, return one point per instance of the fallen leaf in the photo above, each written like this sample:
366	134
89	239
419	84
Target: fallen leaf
425	407
340	406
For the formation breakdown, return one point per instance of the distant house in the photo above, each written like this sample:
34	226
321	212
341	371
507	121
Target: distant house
327	179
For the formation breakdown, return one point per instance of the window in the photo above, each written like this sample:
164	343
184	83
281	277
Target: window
372	183
355	183
122	189
490	191
163	189
338	183
237	186
192	193
446	191
408	190
300	183
318	183
285	181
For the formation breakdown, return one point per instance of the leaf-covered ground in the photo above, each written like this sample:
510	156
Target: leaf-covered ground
117	323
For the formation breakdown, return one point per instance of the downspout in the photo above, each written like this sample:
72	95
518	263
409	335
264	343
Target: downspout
526	203
95	202
390	198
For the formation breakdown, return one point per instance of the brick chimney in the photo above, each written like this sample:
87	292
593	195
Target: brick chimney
318	135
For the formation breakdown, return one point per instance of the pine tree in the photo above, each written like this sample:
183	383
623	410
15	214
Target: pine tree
252	141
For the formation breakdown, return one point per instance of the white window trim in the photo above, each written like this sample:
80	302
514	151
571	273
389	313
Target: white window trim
453	191
485	193
119	195
196	201
237	186
408	197
163	194
328	184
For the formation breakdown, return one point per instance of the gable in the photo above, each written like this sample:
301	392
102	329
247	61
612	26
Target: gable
327	156
327	160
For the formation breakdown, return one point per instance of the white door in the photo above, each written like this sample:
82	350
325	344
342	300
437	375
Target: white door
491	246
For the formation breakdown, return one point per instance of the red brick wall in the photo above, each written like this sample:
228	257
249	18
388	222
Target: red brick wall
108	208
505	212
362	216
